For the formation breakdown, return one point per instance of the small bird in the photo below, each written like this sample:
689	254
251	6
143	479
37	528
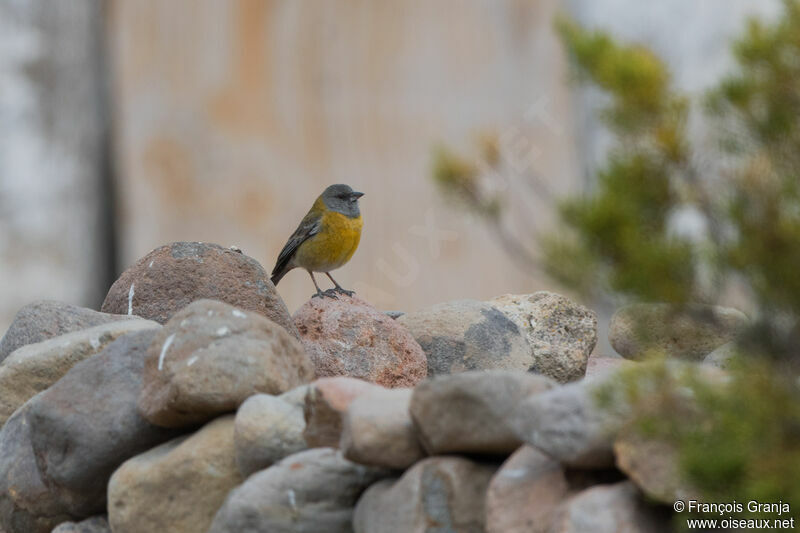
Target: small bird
326	238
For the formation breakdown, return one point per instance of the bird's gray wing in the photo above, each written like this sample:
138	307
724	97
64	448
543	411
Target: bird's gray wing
309	226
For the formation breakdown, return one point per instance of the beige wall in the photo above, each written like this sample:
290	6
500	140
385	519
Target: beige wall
231	117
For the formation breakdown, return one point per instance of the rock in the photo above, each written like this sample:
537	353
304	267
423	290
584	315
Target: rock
601	365
26	504
85	425
210	357
171	277
609	509
349	337
560	333
639	329
268	428
470	412
377	430
308	492
45	319
723	356
653	466
34	367
468	335
568	424
95	524
178	486
325	406
436	494
525	493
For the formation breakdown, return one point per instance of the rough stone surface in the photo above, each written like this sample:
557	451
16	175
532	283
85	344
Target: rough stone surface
174	275
86	424
26	505
723	356
436	494
326	403
95	524
309	492
34	367
268	428
348	337
609	509
178	486
468	335
45	319
653	466
561	334
568	424
377	430
525	493
210	357
639	329
471	412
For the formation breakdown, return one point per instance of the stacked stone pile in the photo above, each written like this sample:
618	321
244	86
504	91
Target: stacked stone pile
194	402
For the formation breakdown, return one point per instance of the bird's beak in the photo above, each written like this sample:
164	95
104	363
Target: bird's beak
358	194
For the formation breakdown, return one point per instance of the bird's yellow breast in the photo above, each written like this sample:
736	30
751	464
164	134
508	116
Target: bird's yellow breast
333	246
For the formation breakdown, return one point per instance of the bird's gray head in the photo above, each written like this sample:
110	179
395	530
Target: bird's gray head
342	199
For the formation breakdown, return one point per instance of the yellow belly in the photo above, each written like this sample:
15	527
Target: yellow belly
333	246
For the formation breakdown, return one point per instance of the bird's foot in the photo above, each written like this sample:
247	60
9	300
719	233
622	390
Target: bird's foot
330	293
340	290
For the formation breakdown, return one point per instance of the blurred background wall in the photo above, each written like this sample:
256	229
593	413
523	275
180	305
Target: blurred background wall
229	118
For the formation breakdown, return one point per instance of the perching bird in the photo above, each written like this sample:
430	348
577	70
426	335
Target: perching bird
326	238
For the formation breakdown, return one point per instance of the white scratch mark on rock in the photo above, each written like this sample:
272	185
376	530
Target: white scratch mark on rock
292	499
224	330
95	342
192	360
514	473
210	312
151	263
130	301
184	322
164	350
238	314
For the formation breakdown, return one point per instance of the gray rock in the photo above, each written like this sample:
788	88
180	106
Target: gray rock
325	406
471	412
377	430
308	492
723	356
210	357
609	509
177	486
436	494
174	275
687	333
468	335
86	424
525	494
560	333
34	367
268	428
568	423
95	524
45	319
26	504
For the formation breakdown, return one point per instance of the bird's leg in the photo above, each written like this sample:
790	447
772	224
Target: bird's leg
320	293
339	288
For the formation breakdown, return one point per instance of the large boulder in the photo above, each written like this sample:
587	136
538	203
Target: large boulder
377	430
471	412
174	275
346	336
525	493
325	406
308	492
210	357
85	425
178	486
34	367
443	492
560	333
690	332
268	428
45	319
468	335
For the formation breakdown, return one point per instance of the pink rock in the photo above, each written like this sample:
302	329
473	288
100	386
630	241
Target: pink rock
348	337
326	405
599	365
